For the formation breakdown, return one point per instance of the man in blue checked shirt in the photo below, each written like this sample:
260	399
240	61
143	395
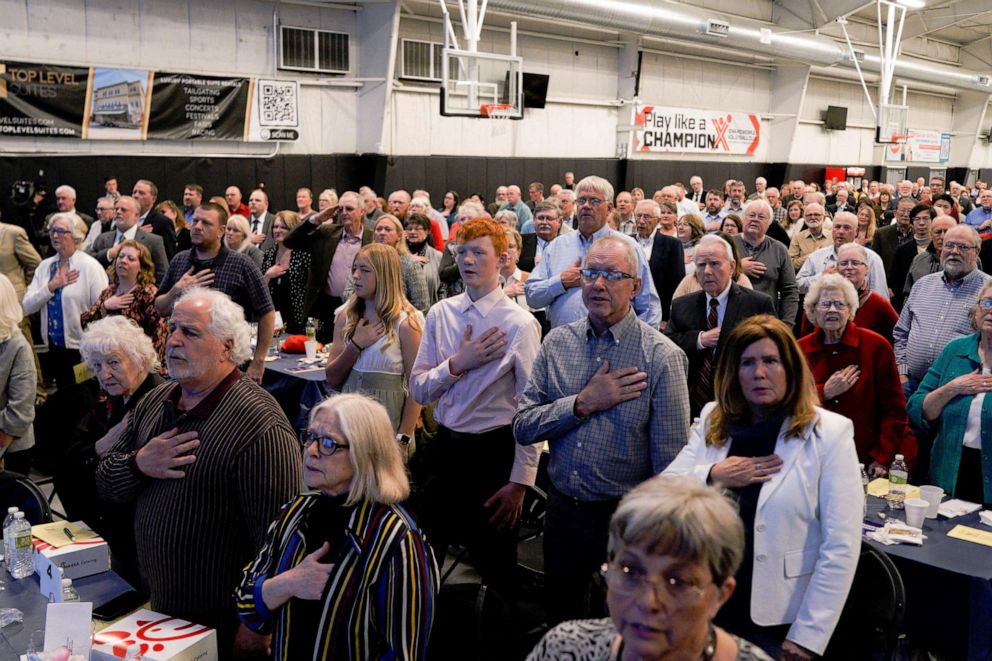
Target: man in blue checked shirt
609	394
555	282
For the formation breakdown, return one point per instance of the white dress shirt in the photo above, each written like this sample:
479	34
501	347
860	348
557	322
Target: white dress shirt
486	397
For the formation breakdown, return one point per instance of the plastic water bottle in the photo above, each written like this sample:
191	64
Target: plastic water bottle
7	543
21	562
864	486
311	329
898	477
69	591
134	653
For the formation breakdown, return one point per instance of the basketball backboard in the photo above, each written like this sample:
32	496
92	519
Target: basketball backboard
473	81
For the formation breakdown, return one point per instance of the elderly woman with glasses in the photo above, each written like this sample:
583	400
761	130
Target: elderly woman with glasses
793	469
674	547
952	401
856	375
63	287
344	572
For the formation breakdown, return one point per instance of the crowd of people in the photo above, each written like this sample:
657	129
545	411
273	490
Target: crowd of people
694	376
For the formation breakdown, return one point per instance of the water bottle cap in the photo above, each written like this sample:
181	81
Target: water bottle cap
11	510
19	515
899	457
66	582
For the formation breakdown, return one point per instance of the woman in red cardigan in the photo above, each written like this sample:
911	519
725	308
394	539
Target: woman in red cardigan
856	376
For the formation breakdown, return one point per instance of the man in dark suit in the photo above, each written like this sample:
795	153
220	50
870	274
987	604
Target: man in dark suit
566	202
149	220
106	246
260	220
841	203
665	256
701	322
332	248
888	239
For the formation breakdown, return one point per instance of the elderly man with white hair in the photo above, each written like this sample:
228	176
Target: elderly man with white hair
208	460
556	283
517	206
65	202
766	261
826	260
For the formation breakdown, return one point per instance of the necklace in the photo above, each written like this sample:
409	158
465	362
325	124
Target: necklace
708	652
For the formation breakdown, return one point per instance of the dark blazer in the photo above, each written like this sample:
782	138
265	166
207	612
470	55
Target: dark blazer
885	243
832	209
527	251
901	263
688	320
163	227
320	241
667	265
267	220
154	243
778	233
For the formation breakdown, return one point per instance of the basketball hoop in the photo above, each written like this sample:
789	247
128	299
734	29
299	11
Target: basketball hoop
500	114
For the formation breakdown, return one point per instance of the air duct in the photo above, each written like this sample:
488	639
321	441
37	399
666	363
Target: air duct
680	22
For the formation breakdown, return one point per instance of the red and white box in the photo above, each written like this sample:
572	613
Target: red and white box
79	559
160	637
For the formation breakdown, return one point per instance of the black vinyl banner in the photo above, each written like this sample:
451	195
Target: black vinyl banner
190	107
42	99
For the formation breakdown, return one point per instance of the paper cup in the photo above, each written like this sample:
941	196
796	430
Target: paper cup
916	510
933	496
311	348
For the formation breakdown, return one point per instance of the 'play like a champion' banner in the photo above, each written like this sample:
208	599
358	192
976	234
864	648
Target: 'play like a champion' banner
104	103
665	129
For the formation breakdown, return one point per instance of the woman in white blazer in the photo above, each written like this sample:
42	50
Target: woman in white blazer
793	468
63	287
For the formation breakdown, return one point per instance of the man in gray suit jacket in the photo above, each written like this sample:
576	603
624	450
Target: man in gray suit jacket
260	220
105	247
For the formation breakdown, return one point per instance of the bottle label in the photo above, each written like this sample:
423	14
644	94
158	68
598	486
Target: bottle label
22	541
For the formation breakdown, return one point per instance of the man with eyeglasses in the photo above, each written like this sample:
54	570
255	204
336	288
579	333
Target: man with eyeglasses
664	254
104	220
332	248
208	459
981	217
566	200
928	261
107	245
701	321
888	238
775	200
921	216
555	282
604	377
517	206
811	238
766	261
937	310
825	260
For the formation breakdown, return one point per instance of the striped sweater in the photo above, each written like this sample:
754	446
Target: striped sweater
379	600
195	534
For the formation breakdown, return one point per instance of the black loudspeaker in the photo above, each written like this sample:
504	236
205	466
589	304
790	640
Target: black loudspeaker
535	89
835	118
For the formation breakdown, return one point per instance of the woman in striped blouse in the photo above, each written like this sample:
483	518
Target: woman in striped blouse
345	573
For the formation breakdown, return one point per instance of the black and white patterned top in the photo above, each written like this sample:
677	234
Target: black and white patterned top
592	640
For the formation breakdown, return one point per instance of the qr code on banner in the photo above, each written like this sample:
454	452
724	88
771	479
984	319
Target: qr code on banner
277	103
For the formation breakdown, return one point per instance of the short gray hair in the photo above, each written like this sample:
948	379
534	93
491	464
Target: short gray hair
64	188
760	202
507	213
677	516
861	250
713	239
76	225
566	192
648	202
598	184
227	321
118	333
629	255
830	281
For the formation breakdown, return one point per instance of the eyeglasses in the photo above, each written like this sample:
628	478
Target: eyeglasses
326	446
957	247
546	218
591	201
924	218
58	231
826	305
592	275
985	303
628	581
844	263
644	216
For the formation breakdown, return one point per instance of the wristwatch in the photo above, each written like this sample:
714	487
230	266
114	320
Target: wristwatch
404	439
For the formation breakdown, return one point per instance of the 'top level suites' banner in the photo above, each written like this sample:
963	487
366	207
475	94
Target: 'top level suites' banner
663	129
42	99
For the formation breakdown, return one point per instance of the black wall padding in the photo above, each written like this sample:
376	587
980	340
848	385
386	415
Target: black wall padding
284	174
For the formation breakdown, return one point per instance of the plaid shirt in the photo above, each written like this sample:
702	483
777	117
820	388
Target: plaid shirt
235	274
607	454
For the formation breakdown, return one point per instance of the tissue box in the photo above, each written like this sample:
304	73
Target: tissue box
161	638
82	558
